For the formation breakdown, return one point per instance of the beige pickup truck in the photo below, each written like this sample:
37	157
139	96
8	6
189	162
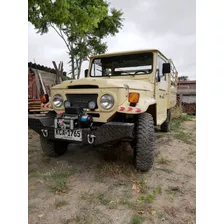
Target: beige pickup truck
122	97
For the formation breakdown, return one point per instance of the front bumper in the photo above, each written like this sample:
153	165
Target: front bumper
105	133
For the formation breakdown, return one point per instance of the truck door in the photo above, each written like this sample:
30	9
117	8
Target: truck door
161	91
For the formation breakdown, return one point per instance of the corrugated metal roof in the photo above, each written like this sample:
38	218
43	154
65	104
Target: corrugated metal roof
42	68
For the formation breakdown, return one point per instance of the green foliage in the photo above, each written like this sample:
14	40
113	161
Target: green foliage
176	128
82	24
186	117
58	180
176	123
136	219
143	186
103	199
184	137
152	196
183	78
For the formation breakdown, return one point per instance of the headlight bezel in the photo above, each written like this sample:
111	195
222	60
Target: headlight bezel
60	98
111	103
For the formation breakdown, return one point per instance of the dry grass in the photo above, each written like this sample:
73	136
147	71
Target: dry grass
163	160
124	195
176	112
184	137
60	203
171	211
177	129
114	170
56	178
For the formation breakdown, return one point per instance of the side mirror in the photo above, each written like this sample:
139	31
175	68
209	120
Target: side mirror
166	68
86	73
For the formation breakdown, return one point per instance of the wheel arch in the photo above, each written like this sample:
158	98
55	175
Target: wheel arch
152	110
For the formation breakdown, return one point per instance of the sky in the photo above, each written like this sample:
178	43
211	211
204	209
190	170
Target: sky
169	26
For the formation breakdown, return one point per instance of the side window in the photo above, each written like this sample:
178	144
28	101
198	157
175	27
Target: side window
96	68
160	62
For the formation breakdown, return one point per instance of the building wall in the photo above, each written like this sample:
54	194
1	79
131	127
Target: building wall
187	96
32	88
189	99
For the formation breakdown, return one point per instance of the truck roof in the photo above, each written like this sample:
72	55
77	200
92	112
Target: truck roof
127	52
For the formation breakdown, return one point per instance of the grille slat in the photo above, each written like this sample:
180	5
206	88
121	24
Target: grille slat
83	87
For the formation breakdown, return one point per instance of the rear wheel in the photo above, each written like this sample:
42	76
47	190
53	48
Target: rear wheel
144	147
165	127
53	148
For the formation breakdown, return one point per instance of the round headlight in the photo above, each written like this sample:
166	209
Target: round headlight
92	105
58	100
67	104
107	101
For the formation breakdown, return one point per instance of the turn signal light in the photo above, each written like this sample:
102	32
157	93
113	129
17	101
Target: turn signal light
133	97
44	98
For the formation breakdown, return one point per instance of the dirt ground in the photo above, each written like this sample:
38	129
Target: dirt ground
86	186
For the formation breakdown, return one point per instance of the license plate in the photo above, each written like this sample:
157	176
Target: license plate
67	134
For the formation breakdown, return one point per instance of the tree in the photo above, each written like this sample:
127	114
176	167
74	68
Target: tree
182	78
81	24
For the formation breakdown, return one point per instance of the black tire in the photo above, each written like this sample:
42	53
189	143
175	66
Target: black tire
53	148
144	147
165	127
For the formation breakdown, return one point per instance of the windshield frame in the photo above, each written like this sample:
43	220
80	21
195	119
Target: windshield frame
123	75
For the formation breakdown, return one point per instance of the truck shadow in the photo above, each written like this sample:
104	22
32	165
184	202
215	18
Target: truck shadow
82	154
81	157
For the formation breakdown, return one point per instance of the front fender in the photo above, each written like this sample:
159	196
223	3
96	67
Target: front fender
141	107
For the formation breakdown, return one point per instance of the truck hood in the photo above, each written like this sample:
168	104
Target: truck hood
101	83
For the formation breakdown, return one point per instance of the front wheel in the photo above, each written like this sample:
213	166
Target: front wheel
53	148
144	147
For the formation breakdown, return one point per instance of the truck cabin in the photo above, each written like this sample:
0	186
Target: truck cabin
145	64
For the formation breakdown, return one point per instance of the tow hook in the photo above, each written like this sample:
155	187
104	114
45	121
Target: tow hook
44	132
91	138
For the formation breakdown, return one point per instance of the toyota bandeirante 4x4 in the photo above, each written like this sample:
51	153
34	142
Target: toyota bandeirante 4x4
122	97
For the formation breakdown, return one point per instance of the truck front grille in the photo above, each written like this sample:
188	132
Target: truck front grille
80	101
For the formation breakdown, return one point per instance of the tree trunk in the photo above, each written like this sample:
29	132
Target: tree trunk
79	68
73	66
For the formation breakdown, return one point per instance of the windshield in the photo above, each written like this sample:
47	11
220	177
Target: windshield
123	65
